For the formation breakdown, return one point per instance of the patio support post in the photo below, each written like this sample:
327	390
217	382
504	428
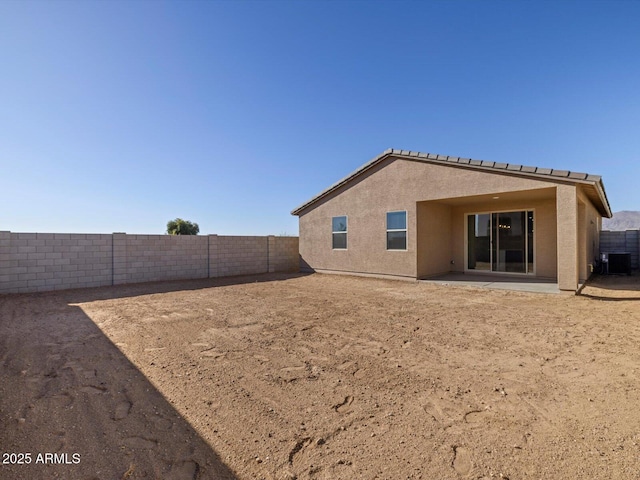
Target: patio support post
567	215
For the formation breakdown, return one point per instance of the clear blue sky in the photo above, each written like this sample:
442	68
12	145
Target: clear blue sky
122	115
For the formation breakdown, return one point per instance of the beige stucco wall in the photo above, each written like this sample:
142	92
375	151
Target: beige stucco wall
579	225
568	246
365	204
366	242
435	233
589	226
400	185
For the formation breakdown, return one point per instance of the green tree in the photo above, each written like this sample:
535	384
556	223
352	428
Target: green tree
182	227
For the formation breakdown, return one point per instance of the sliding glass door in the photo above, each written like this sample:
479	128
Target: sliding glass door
500	242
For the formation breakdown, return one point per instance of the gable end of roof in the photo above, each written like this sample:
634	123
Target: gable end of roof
520	170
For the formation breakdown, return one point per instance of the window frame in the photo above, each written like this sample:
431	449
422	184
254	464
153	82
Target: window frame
340	232
393	230
534	269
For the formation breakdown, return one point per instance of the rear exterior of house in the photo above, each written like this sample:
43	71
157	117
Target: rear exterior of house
416	215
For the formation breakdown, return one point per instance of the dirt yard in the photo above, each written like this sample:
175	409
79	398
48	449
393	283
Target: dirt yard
321	377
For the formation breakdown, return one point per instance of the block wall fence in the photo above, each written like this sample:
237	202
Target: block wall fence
36	262
627	241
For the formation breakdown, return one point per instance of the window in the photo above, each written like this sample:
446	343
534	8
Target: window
339	232
396	230
501	241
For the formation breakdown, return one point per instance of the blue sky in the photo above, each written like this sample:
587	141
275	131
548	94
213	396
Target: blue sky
122	115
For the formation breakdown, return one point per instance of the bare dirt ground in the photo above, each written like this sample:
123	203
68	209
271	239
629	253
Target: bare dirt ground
321	377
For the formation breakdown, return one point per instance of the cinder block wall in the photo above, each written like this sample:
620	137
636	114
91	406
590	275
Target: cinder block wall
34	262
242	255
147	258
284	255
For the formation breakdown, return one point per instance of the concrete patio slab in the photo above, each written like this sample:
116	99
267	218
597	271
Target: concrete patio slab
498	282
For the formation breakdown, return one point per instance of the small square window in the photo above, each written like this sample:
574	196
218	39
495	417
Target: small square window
397	230
339	232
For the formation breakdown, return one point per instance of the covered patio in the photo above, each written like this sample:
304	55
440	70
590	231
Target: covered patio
466	234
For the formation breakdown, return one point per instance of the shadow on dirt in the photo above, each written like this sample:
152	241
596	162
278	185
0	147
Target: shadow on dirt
612	288
150	288
72	400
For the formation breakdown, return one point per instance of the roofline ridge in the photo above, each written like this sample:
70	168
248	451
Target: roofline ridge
486	165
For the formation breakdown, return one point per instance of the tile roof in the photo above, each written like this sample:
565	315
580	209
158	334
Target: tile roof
510	168
488	164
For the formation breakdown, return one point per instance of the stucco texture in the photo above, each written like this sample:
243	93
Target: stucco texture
437	199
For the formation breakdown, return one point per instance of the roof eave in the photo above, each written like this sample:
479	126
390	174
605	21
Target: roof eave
370	164
603	198
482	165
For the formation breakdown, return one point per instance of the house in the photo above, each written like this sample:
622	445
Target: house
419	215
